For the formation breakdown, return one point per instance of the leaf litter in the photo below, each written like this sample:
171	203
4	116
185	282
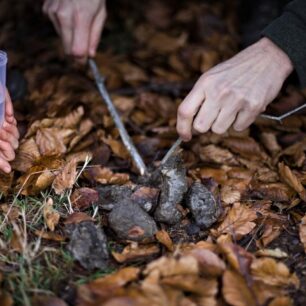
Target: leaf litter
221	223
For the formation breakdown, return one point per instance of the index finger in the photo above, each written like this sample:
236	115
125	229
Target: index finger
187	111
9	111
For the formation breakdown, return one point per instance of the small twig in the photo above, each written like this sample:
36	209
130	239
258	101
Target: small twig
118	122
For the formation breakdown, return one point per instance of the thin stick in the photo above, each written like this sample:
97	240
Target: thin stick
122	131
171	150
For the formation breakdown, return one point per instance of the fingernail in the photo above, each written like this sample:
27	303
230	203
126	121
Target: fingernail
7	169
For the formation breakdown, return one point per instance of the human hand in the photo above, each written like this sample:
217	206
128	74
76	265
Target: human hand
235	91
79	24
9	136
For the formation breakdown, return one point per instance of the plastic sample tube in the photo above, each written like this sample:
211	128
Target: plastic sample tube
3	62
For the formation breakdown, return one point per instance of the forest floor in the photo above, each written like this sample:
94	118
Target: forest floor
223	223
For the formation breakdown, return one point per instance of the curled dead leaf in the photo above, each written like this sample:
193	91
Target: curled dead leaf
134	251
66	177
302	232
51	216
163	237
238	222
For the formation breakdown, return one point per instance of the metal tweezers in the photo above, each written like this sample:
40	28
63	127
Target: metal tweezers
126	139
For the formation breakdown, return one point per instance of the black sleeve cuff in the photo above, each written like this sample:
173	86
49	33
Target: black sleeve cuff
289	33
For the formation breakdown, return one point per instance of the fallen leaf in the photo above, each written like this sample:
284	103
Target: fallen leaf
49	235
117	147
6	299
26	155
192	284
133	252
168	266
52	141
40	300
236	291
247	147
66	177
105	287
238	222
275	253
51	216
163	237
212	153
77	217
282	301
6	181
273	273
291	179
104	175
302	231
83	198
209	263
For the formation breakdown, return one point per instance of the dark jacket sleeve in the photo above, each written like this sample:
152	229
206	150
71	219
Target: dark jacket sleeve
289	32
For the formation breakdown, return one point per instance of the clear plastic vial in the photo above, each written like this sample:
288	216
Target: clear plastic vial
3	62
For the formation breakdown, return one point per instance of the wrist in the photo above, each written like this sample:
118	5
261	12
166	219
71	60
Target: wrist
277	55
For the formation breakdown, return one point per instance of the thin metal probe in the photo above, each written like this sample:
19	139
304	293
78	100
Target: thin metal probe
285	115
171	150
276	118
119	124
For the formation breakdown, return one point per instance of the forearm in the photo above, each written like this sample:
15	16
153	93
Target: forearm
288	32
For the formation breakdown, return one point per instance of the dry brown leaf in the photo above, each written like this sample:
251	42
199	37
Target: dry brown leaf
277	192
155	294
27	154
66	177
45	300
163	43
133	252
11	211
237	257
269	140
275	253
6	181
219	175
6	299
77	217
51	216
247	147
192	284
282	301
273	273
238	222
230	195
131	73
105	287
292	180
16	241
84	128
236	291
52	141
169	266
302	232
212	153
117	147
209	263
84	197
163	237
68	122
104	175
49	235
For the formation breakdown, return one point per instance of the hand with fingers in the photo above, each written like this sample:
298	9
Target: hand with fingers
9	136
235	91
79	24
